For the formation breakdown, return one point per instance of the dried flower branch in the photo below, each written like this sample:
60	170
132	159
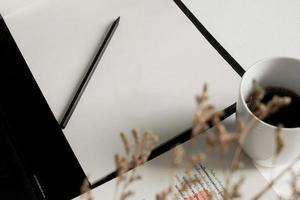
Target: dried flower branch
122	164
125	143
85	190
279	139
194	160
260	109
136	154
177	154
136	136
272	106
258	93
222	138
233	191
204	113
295	186
126	195
164	194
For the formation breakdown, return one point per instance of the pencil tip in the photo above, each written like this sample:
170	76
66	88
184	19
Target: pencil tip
118	19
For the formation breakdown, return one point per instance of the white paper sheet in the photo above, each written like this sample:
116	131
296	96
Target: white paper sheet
154	66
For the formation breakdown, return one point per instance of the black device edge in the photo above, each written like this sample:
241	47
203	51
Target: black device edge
49	162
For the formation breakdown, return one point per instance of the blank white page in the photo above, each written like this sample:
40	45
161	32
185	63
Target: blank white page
155	64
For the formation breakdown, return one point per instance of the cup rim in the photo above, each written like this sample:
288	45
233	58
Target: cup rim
251	68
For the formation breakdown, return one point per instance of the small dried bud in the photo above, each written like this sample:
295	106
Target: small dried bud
122	164
177	154
136	136
277	102
164	194
195	160
204	96
125	143
256	96
279	139
259	91
295	185
134	178
86	190
236	193
126	195
237	165
211	142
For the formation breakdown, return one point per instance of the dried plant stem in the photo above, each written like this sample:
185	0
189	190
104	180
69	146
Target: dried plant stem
237	152
136	154
241	141
269	186
86	190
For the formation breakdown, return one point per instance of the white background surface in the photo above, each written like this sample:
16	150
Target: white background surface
252	29
155	64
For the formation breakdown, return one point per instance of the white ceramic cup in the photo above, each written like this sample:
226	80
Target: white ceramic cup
260	143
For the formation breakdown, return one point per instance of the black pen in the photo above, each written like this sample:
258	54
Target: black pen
89	74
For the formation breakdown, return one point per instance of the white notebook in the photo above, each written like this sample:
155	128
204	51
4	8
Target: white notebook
155	64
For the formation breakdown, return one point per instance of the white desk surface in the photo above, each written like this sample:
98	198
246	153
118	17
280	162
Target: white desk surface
161	63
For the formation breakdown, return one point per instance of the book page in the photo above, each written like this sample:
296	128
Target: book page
211	174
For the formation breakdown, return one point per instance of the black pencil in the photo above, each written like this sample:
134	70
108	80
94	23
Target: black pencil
89	74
